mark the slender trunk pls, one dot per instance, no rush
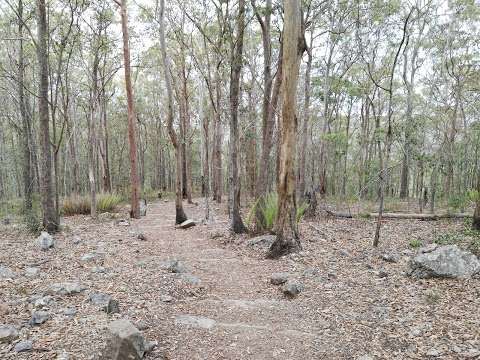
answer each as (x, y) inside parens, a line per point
(237, 53)
(132, 126)
(179, 213)
(50, 220)
(28, 182)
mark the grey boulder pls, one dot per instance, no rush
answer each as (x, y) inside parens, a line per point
(39, 317)
(45, 241)
(444, 262)
(292, 288)
(186, 224)
(279, 278)
(66, 288)
(105, 302)
(125, 342)
(8, 333)
(262, 241)
(23, 346)
(6, 273)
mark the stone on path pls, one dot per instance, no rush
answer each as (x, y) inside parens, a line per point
(31, 271)
(166, 298)
(190, 279)
(195, 321)
(125, 342)
(390, 257)
(6, 273)
(186, 224)
(174, 266)
(444, 262)
(45, 241)
(105, 302)
(43, 302)
(279, 278)
(262, 241)
(8, 333)
(66, 288)
(88, 257)
(292, 288)
(39, 317)
(23, 346)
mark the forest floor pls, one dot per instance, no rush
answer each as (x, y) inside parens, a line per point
(355, 305)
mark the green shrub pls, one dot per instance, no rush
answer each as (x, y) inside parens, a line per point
(415, 243)
(108, 202)
(269, 211)
(80, 205)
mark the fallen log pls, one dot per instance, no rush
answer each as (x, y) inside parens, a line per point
(406, 216)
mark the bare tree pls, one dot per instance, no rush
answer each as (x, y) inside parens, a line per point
(237, 54)
(132, 118)
(50, 219)
(179, 213)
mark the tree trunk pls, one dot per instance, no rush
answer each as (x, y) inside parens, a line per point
(50, 220)
(237, 225)
(180, 216)
(28, 173)
(287, 239)
(132, 126)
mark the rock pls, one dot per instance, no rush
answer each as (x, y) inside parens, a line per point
(88, 257)
(292, 288)
(67, 288)
(444, 262)
(195, 321)
(279, 278)
(105, 302)
(98, 270)
(174, 266)
(310, 272)
(125, 342)
(76, 240)
(190, 279)
(39, 317)
(7, 333)
(43, 302)
(143, 207)
(186, 224)
(216, 235)
(262, 241)
(150, 345)
(31, 271)
(6, 273)
(70, 311)
(45, 241)
(390, 258)
(141, 236)
(23, 346)
(112, 307)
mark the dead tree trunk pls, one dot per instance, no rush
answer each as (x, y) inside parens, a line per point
(132, 125)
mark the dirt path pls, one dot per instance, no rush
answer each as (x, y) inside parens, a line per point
(239, 315)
